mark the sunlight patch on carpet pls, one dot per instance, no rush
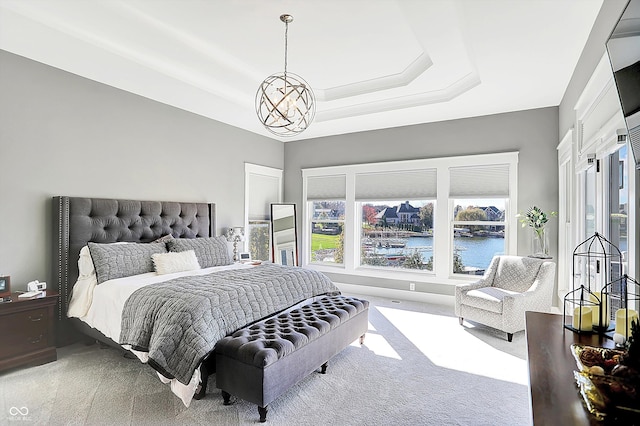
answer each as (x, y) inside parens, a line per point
(448, 345)
(377, 344)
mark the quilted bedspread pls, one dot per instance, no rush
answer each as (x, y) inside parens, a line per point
(178, 322)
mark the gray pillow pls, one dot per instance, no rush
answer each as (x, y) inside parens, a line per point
(210, 252)
(123, 260)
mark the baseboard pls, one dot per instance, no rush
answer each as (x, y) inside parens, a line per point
(413, 296)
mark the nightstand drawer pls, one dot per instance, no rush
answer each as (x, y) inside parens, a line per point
(26, 331)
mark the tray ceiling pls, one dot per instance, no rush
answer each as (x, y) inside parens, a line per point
(372, 64)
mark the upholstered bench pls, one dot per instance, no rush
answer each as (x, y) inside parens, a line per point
(260, 362)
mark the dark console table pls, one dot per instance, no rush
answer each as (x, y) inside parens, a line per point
(554, 395)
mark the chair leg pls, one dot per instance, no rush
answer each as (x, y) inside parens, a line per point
(460, 319)
(509, 336)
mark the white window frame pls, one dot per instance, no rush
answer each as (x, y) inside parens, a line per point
(442, 215)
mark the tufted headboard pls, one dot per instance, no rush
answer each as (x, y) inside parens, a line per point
(78, 220)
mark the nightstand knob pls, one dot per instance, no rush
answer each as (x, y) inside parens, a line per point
(38, 318)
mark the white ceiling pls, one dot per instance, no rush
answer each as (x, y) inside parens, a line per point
(372, 64)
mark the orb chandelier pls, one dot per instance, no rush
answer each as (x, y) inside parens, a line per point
(285, 103)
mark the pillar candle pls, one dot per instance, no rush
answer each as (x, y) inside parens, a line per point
(596, 310)
(583, 321)
(624, 317)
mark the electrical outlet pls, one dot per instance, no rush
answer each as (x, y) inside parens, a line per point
(412, 286)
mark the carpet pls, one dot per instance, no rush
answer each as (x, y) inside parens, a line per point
(418, 366)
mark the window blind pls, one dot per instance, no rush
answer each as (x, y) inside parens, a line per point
(264, 190)
(479, 181)
(402, 185)
(326, 187)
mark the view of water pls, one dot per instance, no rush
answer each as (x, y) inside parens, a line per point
(475, 252)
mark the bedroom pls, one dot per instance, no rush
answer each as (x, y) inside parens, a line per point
(62, 134)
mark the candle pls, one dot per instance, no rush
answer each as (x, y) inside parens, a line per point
(624, 317)
(583, 318)
(597, 298)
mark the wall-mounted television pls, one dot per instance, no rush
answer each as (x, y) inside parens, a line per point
(623, 48)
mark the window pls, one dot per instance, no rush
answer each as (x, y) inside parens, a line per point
(393, 235)
(263, 186)
(590, 202)
(479, 195)
(385, 219)
(619, 205)
(326, 206)
(397, 234)
(478, 234)
(327, 232)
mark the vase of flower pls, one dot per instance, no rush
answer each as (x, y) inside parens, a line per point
(537, 219)
(540, 243)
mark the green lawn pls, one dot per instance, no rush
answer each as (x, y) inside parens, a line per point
(325, 242)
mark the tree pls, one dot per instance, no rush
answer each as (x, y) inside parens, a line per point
(259, 241)
(458, 266)
(426, 215)
(338, 256)
(413, 261)
(471, 214)
(369, 214)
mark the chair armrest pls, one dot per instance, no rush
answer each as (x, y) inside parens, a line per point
(461, 289)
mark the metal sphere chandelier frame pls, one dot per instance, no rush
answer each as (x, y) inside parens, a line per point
(285, 103)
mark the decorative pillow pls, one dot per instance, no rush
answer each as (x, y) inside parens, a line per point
(210, 252)
(123, 260)
(168, 263)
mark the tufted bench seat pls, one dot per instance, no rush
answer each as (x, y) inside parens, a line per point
(260, 362)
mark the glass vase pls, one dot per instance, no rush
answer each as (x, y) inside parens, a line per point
(540, 243)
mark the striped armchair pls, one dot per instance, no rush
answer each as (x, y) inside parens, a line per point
(510, 286)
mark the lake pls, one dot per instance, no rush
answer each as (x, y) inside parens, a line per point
(474, 251)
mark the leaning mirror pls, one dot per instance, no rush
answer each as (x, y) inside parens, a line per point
(283, 234)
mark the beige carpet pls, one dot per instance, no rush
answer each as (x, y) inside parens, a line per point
(417, 367)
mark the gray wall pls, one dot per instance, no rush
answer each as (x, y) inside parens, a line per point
(594, 49)
(61, 134)
(533, 133)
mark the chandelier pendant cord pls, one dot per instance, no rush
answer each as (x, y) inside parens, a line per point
(286, 43)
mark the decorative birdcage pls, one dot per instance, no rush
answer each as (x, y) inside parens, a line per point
(596, 262)
(620, 301)
(579, 308)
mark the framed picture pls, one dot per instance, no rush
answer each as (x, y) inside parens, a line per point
(5, 286)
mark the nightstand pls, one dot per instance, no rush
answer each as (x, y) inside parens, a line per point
(27, 330)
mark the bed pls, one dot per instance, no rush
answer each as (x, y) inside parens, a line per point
(170, 318)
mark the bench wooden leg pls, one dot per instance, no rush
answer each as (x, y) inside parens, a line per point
(362, 339)
(323, 368)
(263, 413)
(226, 396)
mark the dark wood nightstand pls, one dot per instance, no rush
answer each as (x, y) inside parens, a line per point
(27, 330)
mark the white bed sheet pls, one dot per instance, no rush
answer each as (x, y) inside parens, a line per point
(106, 302)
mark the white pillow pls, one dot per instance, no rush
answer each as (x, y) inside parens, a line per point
(171, 262)
(85, 263)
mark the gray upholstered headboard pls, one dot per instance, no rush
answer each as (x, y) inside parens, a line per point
(78, 220)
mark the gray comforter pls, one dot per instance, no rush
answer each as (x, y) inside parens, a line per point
(178, 322)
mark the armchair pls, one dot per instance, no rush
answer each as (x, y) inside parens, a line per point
(510, 286)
